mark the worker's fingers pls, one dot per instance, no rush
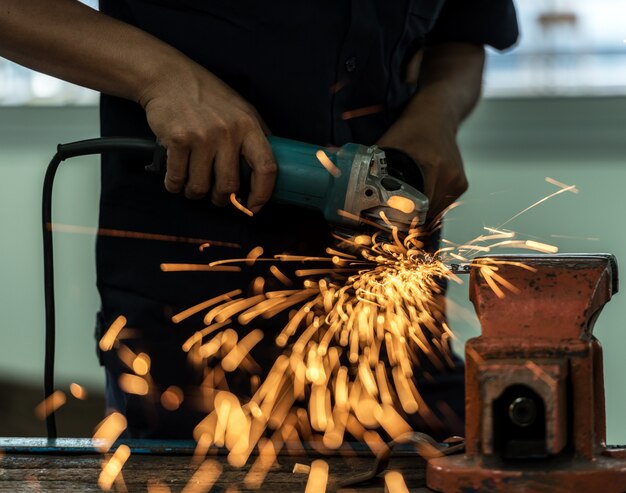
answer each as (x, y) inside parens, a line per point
(176, 174)
(226, 175)
(200, 171)
(258, 153)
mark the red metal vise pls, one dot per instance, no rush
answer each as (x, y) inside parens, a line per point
(535, 417)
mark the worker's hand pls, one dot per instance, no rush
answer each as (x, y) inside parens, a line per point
(205, 127)
(203, 123)
(432, 145)
(449, 78)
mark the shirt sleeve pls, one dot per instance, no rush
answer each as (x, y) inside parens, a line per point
(488, 22)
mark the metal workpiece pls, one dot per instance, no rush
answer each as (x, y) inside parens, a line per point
(535, 415)
(370, 189)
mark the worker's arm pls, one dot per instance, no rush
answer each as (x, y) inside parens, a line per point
(449, 79)
(203, 123)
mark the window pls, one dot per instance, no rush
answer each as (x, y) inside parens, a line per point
(21, 86)
(567, 47)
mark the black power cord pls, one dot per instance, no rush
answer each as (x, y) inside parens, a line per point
(66, 151)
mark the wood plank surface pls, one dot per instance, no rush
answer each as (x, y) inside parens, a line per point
(79, 473)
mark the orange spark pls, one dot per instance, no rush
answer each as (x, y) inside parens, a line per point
(118, 233)
(133, 384)
(367, 110)
(363, 240)
(318, 477)
(394, 482)
(476, 248)
(141, 364)
(253, 254)
(566, 237)
(487, 276)
(332, 251)
(367, 377)
(199, 268)
(280, 276)
(212, 314)
(172, 398)
(327, 163)
(315, 272)
(374, 441)
(301, 468)
(391, 421)
(364, 407)
(126, 355)
(204, 478)
(108, 430)
(204, 305)
(205, 440)
(383, 384)
(113, 467)
(385, 219)
(408, 402)
(505, 234)
(542, 247)
(108, 339)
(261, 466)
(238, 306)
(78, 391)
(50, 404)
(239, 205)
(234, 358)
(571, 188)
(540, 201)
(540, 372)
(473, 354)
(258, 285)
(300, 258)
(157, 487)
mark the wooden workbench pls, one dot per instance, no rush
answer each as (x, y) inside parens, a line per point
(28, 468)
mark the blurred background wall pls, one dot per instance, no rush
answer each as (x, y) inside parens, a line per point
(554, 107)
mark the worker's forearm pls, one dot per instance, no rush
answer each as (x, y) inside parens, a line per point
(68, 40)
(450, 82)
(203, 123)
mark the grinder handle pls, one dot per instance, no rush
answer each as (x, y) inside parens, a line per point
(158, 166)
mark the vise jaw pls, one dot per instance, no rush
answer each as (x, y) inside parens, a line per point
(535, 417)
